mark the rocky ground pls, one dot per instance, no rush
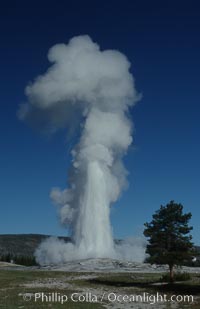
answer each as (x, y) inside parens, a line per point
(103, 278)
(111, 265)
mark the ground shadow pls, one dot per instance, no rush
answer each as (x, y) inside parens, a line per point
(176, 287)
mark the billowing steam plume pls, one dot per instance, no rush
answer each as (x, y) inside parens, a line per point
(95, 86)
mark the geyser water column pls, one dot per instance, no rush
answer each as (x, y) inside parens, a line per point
(97, 162)
(93, 231)
(96, 86)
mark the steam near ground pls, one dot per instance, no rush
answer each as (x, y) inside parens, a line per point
(56, 251)
(84, 82)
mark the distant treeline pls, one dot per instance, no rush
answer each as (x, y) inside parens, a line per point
(19, 259)
(21, 246)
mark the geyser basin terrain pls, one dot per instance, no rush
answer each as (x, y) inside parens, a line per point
(97, 87)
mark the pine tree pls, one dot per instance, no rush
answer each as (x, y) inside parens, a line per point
(169, 242)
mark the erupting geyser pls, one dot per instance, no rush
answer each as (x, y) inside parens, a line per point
(97, 87)
(93, 230)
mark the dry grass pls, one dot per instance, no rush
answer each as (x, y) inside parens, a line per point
(15, 283)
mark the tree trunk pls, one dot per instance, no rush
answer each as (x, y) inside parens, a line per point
(171, 273)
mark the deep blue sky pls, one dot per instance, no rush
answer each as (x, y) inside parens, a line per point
(162, 41)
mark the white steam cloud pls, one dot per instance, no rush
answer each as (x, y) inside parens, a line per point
(96, 85)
